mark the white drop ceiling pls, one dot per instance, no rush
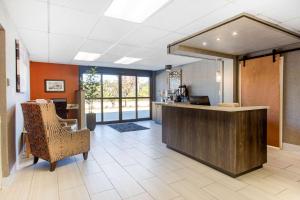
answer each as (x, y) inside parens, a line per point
(57, 34)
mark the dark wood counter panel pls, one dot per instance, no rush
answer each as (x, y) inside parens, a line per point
(231, 142)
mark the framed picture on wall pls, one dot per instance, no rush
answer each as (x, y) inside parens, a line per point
(22, 67)
(55, 86)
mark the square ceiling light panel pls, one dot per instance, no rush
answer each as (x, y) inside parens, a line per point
(134, 10)
(127, 60)
(86, 56)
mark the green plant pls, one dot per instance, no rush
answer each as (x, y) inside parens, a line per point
(91, 85)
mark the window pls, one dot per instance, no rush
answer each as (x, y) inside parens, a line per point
(120, 97)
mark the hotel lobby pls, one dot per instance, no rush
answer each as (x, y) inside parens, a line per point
(149, 100)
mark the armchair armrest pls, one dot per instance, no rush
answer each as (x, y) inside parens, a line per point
(68, 121)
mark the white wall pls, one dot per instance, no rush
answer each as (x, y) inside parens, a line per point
(14, 118)
(228, 80)
(200, 77)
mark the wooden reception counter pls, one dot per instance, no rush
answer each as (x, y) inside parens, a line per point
(232, 140)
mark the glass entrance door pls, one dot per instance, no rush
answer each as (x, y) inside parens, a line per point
(111, 98)
(128, 97)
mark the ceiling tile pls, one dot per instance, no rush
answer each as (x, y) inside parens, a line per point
(71, 22)
(91, 6)
(279, 10)
(111, 30)
(163, 42)
(64, 48)
(28, 13)
(96, 46)
(39, 58)
(180, 13)
(35, 41)
(212, 19)
(143, 36)
(294, 24)
(122, 50)
(142, 53)
(109, 58)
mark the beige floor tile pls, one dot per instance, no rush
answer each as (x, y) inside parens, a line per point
(77, 193)
(169, 163)
(138, 172)
(190, 192)
(103, 158)
(124, 160)
(278, 163)
(122, 181)
(290, 194)
(221, 192)
(88, 167)
(18, 190)
(44, 186)
(107, 195)
(227, 181)
(294, 169)
(69, 178)
(96, 183)
(164, 174)
(256, 194)
(267, 185)
(199, 180)
(158, 189)
(144, 196)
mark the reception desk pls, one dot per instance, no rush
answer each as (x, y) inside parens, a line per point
(232, 140)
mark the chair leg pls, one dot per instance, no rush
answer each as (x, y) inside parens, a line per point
(85, 155)
(52, 166)
(35, 159)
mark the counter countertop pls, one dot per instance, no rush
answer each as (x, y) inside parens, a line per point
(216, 108)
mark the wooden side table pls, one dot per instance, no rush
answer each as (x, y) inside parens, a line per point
(26, 143)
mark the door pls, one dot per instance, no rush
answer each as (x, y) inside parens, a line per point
(128, 97)
(260, 85)
(111, 98)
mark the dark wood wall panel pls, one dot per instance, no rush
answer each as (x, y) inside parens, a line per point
(260, 86)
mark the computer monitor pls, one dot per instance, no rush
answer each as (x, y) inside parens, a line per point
(200, 100)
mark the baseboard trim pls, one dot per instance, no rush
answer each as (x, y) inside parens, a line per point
(272, 147)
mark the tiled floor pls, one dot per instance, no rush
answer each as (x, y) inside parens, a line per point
(137, 166)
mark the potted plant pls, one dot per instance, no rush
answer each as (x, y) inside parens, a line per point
(91, 85)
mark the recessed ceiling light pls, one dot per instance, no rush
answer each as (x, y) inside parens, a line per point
(218, 39)
(86, 56)
(204, 43)
(234, 33)
(134, 10)
(127, 60)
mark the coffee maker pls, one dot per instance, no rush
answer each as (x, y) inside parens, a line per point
(182, 94)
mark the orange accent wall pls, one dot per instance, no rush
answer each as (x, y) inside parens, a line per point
(41, 71)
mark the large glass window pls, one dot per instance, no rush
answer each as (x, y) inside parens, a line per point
(128, 86)
(119, 97)
(143, 87)
(110, 86)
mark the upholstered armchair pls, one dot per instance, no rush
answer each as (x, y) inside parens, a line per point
(47, 137)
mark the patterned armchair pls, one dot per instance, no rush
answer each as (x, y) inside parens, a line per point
(48, 139)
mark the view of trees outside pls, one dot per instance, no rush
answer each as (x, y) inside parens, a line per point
(143, 87)
(111, 97)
